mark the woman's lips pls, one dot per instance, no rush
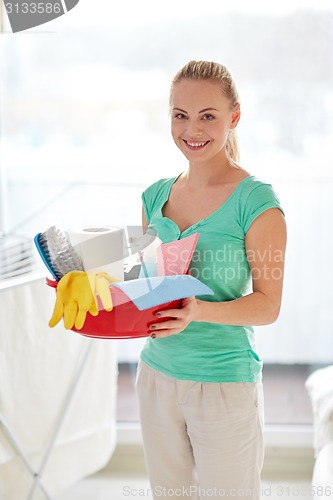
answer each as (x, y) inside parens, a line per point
(195, 145)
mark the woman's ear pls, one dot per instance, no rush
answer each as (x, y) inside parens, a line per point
(235, 115)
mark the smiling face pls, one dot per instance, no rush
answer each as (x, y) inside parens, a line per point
(201, 117)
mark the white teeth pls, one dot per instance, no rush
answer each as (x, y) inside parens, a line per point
(195, 144)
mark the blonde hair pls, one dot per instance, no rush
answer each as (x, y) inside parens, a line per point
(215, 72)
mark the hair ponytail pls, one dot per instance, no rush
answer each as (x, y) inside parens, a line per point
(231, 146)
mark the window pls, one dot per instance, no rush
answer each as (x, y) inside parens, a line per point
(84, 113)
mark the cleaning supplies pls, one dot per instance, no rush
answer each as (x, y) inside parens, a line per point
(101, 248)
(57, 252)
(126, 309)
(174, 257)
(77, 294)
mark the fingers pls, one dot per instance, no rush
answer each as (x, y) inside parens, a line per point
(77, 312)
(171, 315)
(108, 278)
(166, 325)
(176, 320)
(57, 313)
(184, 311)
(167, 328)
(76, 296)
(104, 292)
(63, 283)
(102, 288)
(159, 334)
(70, 313)
(93, 310)
(80, 319)
(168, 313)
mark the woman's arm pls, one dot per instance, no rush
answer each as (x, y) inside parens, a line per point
(265, 244)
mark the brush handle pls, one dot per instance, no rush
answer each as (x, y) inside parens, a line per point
(44, 255)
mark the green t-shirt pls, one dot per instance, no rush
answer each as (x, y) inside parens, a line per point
(211, 352)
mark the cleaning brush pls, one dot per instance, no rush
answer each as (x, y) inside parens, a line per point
(57, 253)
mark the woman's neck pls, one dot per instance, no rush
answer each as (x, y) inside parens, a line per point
(201, 175)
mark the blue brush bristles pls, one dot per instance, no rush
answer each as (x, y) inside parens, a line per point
(57, 253)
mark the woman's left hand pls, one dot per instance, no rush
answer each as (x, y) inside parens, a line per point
(177, 321)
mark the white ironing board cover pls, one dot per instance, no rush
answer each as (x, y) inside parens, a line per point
(37, 366)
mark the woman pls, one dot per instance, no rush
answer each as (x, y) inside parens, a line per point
(199, 376)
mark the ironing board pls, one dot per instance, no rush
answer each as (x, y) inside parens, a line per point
(57, 397)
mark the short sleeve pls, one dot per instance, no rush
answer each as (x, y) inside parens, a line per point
(155, 196)
(150, 198)
(261, 198)
(145, 206)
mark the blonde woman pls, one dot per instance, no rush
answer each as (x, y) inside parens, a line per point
(199, 376)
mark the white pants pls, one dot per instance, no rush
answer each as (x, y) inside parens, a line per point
(201, 440)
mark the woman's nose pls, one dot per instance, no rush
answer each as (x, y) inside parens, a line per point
(194, 128)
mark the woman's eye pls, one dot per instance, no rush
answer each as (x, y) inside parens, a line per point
(180, 116)
(208, 117)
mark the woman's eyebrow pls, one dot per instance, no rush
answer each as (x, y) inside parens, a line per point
(208, 109)
(179, 109)
(202, 111)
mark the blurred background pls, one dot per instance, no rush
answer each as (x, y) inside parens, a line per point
(85, 128)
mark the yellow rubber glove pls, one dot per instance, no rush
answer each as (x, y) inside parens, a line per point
(101, 287)
(76, 295)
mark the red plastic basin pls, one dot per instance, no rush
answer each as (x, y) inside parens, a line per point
(125, 321)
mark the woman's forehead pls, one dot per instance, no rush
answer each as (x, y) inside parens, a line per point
(197, 93)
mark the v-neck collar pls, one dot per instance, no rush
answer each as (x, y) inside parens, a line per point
(206, 219)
